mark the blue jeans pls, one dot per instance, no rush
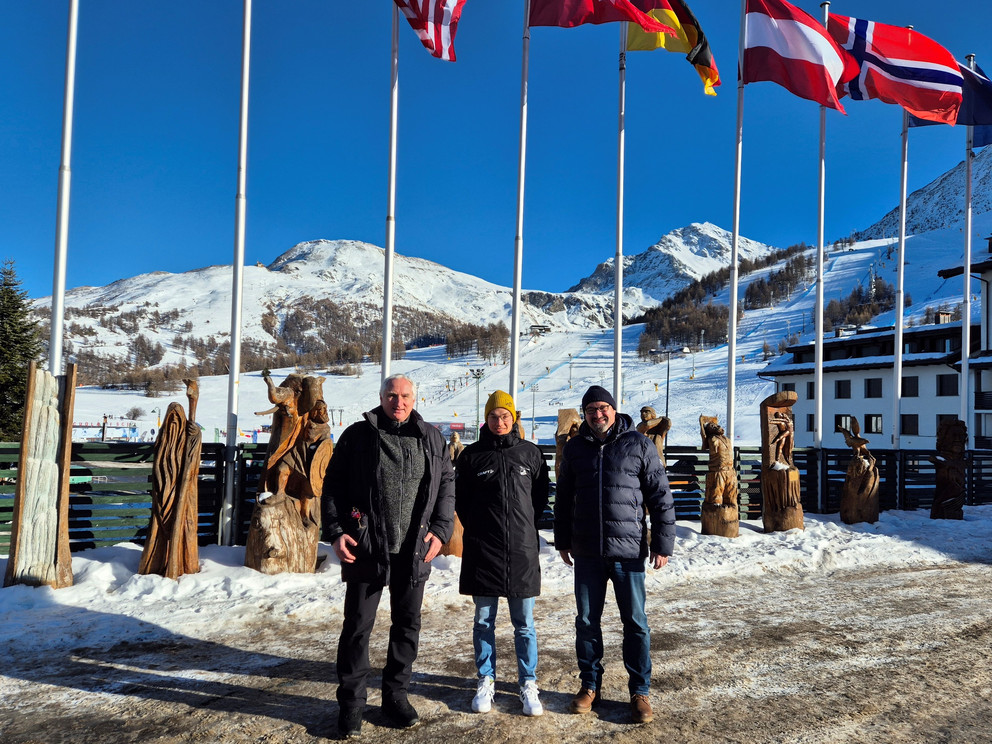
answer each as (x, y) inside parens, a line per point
(524, 636)
(591, 576)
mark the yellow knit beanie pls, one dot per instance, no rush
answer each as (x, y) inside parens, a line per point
(499, 399)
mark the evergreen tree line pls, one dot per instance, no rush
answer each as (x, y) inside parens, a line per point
(780, 284)
(20, 344)
(491, 342)
(863, 304)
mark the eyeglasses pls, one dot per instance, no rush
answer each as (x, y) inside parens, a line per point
(503, 418)
(594, 410)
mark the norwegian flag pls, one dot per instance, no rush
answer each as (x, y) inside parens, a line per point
(786, 45)
(901, 66)
(435, 22)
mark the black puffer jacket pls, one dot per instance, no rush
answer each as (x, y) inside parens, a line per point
(603, 489)
(353, 503)
(501, 489)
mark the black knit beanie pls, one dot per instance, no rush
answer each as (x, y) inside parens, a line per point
(597, 394)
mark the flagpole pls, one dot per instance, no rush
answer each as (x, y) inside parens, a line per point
(518, 241)
(966, 304)
(386, 355)
(738, 153)
(226, 536)
(900, 285)
(618, 266)
(818, 305)
(62, 205)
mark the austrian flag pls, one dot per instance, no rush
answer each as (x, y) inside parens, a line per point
(786, 45)
(899, 65)
(435, 22)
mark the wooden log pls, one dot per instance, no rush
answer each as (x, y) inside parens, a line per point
(781, 507)
(721, 520)
(67, 403)
(279, 539)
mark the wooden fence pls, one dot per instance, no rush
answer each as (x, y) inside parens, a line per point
(111, 502)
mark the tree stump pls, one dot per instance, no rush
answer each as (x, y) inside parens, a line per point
(280, 539)
(39, 537)
(720, 513)
(781, 507)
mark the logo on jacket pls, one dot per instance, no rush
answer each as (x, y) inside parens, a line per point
(487, 472)
(521, 470)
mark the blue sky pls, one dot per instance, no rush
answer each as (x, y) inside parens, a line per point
(156, 129)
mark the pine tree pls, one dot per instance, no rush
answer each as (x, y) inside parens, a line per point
(19, 345)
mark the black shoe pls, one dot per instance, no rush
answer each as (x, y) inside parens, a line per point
(399, 711)
(350, 722)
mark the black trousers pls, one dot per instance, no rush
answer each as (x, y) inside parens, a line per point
(361, 600)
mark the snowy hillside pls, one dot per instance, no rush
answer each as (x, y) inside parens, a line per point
(672, 263)
(940, 204)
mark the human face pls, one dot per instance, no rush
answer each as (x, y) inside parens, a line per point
(397, 400)
(500, 421)
(600, 417)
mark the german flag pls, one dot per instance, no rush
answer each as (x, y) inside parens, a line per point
(689, 38)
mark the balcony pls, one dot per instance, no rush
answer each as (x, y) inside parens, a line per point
(983, 401)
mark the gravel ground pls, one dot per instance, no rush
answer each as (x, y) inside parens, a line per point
(874, 655)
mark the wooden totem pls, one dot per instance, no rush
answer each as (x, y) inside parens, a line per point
(39, 530)
(781, 508)
(948, 500)
(719, 514)
(171, 547)
(285, 523)
(859, 498)
(569, 422)
(655, 428)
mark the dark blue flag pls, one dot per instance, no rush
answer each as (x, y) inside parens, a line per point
(976, 106)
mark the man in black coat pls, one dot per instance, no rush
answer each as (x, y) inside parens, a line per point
(500, 491)
(610, 476)
(388, 508)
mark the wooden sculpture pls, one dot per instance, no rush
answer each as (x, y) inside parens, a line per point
(39, 529)
(781, 506)
(171, 547)
(285, 523)
(454, 544)
(720, 514)
(569, 422)
(655, 428)
(859, 498)
(455, 446)
(948, 500)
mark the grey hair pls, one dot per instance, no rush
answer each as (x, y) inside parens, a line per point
(391, 378)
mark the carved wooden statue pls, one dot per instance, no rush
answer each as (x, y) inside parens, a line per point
(720, 514)
(948, 500)
(569, 421)
(39, 528)
(859, 499)
(781, 508)
(285, 523)
(171, 547)
(655, 428)
(455, 446)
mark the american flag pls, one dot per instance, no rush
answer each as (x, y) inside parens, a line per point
(902, 66)
(435, 22)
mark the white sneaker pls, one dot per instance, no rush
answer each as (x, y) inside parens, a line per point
(528, 696)
(484, 694)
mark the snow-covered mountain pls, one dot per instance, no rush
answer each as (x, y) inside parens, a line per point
(672, 263)
(940, 203)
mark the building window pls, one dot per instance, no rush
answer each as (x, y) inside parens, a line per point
(873, 423)
(810, 391)
(810, 422)
(947, 384)
(873, 387)
(842, 421)
(942, 417)
(911, 387)
(788, 387)
(842, 389)
(909, 424)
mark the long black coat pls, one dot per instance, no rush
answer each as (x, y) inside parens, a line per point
(353, 502)
(500, 490)
(603, 489)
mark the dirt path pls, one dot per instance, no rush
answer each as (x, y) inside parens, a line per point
(850, 656)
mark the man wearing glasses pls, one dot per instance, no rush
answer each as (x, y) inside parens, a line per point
(610, 476)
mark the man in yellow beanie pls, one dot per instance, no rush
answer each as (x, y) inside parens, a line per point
(500, 491)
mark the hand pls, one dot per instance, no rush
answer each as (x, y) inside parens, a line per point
(341, 548)
(566, 555)
(658, 560)
(435, 547)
